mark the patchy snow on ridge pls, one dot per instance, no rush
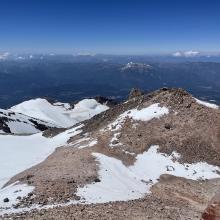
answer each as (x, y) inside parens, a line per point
(144, 114)
(121, 183)
(207, 104)
(19, 153)
(60, 114)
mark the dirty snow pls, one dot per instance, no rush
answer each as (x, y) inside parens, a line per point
(91, 143)
(60, 114)
(121, 183)
(115, 141)
(12, 192)
(84, 142)
(207, 104)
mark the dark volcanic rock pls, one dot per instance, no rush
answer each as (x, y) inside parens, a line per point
(135, 92)
(6, 200)
(106, 101)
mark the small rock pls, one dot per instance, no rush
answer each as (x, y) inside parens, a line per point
(135, 93)
(168, 126)
(30, 194)
(6, 200)
(115, 142)
(97, 180)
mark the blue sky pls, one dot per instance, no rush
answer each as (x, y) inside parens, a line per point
(109, 26)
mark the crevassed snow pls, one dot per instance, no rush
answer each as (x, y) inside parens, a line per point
(144, 114)
(59, 113)
(121, 183)
(19, 153)
(207, 104)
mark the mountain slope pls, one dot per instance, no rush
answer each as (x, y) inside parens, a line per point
(60, 114)
(161, 149)
(17, 123)
(39, 114)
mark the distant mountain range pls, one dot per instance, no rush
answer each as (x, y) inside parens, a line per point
(177, 56)
(72, 78)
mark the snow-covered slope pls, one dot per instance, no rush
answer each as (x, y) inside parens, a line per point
(17, 123)
(21, 152)
(60, 114)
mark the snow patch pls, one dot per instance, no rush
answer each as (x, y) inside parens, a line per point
(90, 144)
(144, 114)
(114, 141)
(121, 183)
(207, 104)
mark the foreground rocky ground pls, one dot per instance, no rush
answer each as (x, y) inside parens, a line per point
(190, 129)
(172, 198)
